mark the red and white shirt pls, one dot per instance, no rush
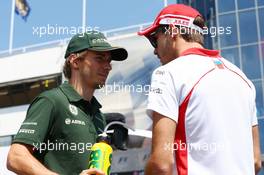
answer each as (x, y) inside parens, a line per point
(213, 104)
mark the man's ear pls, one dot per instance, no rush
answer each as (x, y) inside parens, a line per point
(73, 59)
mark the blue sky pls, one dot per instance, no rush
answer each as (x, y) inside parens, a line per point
(103, 14)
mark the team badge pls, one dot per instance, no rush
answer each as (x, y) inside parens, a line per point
(73, 109)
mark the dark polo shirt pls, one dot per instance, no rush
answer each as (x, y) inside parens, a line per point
(62, 127)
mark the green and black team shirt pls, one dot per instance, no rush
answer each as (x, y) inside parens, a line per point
(62, 127)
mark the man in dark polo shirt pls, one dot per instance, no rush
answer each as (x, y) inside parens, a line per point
(62, 124)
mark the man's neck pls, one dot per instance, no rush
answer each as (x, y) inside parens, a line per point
(83, 90)
(182, 45)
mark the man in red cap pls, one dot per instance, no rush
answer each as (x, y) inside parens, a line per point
(202, 106)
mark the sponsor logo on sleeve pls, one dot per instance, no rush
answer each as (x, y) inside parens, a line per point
(156, 90)
(27, 131)
(159, 72)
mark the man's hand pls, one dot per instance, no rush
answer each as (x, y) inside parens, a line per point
(92, 171)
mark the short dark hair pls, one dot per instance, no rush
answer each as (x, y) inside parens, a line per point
(67, 69)
(193, 35)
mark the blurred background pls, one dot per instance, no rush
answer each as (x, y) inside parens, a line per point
(34, 36)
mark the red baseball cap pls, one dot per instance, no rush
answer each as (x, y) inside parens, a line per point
(175, 14)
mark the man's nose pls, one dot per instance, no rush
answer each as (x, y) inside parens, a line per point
(108, 66)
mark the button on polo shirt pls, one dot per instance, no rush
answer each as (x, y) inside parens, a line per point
(61, 126)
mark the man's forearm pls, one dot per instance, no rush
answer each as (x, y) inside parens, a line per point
(256, 146)
(25, 166)
(21, 161)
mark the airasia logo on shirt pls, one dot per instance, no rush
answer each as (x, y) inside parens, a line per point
(69, 121)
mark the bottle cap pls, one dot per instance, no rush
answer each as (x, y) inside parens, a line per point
(103, 138)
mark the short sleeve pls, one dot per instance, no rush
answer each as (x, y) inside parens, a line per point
(35, 127)
(162, 95)
(254, 119)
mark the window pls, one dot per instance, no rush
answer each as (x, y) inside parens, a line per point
(226, 6)
(228, 22)
(260, 2)
(259, 97)
(248, 27)
(242, 4)
(23, 92)
(262, 48)
(251, 61)
(261, 134)
(261, 23)
(231, 55)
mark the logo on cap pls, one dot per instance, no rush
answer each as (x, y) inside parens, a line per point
(99, 40)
